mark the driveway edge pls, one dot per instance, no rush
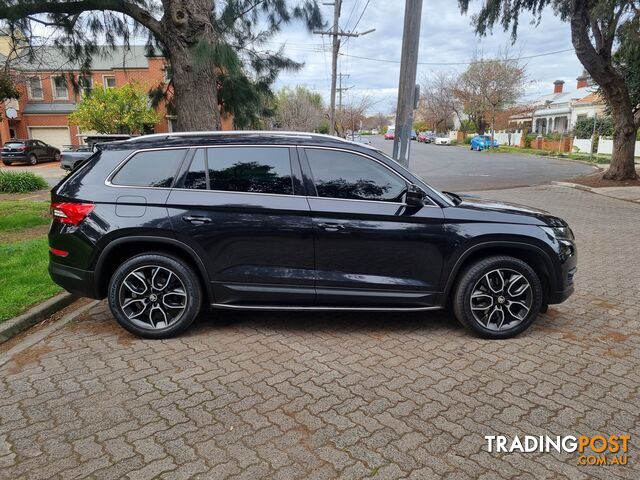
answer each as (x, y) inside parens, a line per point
(585, 188)
(40, 335)
(15, 325)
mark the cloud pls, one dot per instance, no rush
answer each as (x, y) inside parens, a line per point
(447, 36)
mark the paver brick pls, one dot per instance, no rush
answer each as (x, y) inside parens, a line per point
(341, 395)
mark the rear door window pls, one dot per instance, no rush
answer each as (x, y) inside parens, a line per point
(241, 169)
(154, 168)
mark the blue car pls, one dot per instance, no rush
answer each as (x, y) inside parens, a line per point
(481, 142)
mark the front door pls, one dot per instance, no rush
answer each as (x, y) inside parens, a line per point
(371, 249)
(242, 209)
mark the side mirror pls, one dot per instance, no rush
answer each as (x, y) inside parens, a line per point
(415, 196)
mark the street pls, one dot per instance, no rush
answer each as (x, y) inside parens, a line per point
(341, 395)
(446, 167)
(458, 169)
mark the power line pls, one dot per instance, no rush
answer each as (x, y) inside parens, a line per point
(386, 60)
(359, 18)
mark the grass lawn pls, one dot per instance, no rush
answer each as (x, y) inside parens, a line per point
(596, 158)
(24, 280)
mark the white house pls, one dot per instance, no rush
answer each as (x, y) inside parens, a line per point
(559, 111)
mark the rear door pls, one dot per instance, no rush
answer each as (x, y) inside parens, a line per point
(372, 250)
(243, 210)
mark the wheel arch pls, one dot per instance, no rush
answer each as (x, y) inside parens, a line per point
(533, 255)
(122, 249)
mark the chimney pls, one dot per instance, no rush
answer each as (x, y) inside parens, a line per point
(583, 80)
(557, 86)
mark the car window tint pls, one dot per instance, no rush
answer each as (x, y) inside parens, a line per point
(338, 174)
(196, 177)
(250, 169)
(155, 168)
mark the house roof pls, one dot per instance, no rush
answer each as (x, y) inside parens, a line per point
(51, 58)
(592, 97)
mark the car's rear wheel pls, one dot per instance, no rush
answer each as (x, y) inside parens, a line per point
(498, 297)
(56, 156)
(155, 295)
(33, 159)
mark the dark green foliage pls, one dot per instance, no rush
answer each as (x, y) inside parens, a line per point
(21, 182)
(7, 88)
(584, 127)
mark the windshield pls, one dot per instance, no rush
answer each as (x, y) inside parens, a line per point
(437, 192)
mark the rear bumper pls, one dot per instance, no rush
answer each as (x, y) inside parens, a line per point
(74, 280)
(14, 158)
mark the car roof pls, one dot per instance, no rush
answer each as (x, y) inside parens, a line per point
(241, 137)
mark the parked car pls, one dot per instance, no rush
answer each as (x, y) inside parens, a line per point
(75, 155)
(414, 135)
(28, 151)
(442, 139)
(164, 225)
(482, 142)
(375, 131)
(426, 137)
(390, 134)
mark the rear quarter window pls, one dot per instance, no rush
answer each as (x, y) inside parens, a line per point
(154, 168)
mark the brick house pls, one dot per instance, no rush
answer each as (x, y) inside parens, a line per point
(48, 96)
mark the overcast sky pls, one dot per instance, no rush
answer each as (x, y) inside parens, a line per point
(446, 37)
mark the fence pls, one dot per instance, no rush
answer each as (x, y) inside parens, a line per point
(605, 145)
(582, 145)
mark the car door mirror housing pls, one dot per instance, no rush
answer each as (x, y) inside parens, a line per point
(415, 196)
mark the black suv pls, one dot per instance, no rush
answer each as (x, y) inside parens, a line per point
(162, 224)
(29, 151)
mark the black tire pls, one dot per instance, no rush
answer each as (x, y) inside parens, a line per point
(32, 159)
(56, 157)
(186, 281)
(474, 276)
(7, 163)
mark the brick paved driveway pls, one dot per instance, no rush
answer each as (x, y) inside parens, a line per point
(266, 395)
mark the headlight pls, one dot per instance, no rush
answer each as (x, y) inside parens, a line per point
(559, 232)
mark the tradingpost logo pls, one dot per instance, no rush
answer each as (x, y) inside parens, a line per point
(591, 449)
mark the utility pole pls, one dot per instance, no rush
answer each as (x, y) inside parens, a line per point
(407, 83)
(335, 50)
(340, 89)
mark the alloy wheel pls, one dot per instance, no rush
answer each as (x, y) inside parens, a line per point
(152, 297)
(501, 299)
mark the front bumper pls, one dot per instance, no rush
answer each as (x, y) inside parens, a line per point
(74, 280)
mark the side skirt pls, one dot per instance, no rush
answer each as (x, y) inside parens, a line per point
(324, 309)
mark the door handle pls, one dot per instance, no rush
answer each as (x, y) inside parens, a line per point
(331, 227)
(197, 220)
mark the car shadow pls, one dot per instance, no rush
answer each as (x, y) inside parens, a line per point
(336, 322)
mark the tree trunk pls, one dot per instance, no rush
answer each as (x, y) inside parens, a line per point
(624, 142)
(185, 24)
(613, 87)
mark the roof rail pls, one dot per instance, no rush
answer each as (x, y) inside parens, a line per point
(266, 133)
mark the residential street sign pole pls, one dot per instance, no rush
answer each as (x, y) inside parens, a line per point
(406, 85)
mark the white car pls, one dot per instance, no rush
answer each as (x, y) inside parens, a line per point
(442, 140)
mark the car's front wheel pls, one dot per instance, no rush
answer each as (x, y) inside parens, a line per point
(7, 163)
(155, 295)
(498, 297)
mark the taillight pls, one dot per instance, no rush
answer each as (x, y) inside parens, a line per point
(71, 213)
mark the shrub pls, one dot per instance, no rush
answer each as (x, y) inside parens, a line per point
(467, 140)
(21, 182)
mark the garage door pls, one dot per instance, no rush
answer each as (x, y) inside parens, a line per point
(56, 136)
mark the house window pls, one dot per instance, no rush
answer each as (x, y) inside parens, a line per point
(86, 84)
(582, 116)
(34, 86)
(60, 90)
(109, 82)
